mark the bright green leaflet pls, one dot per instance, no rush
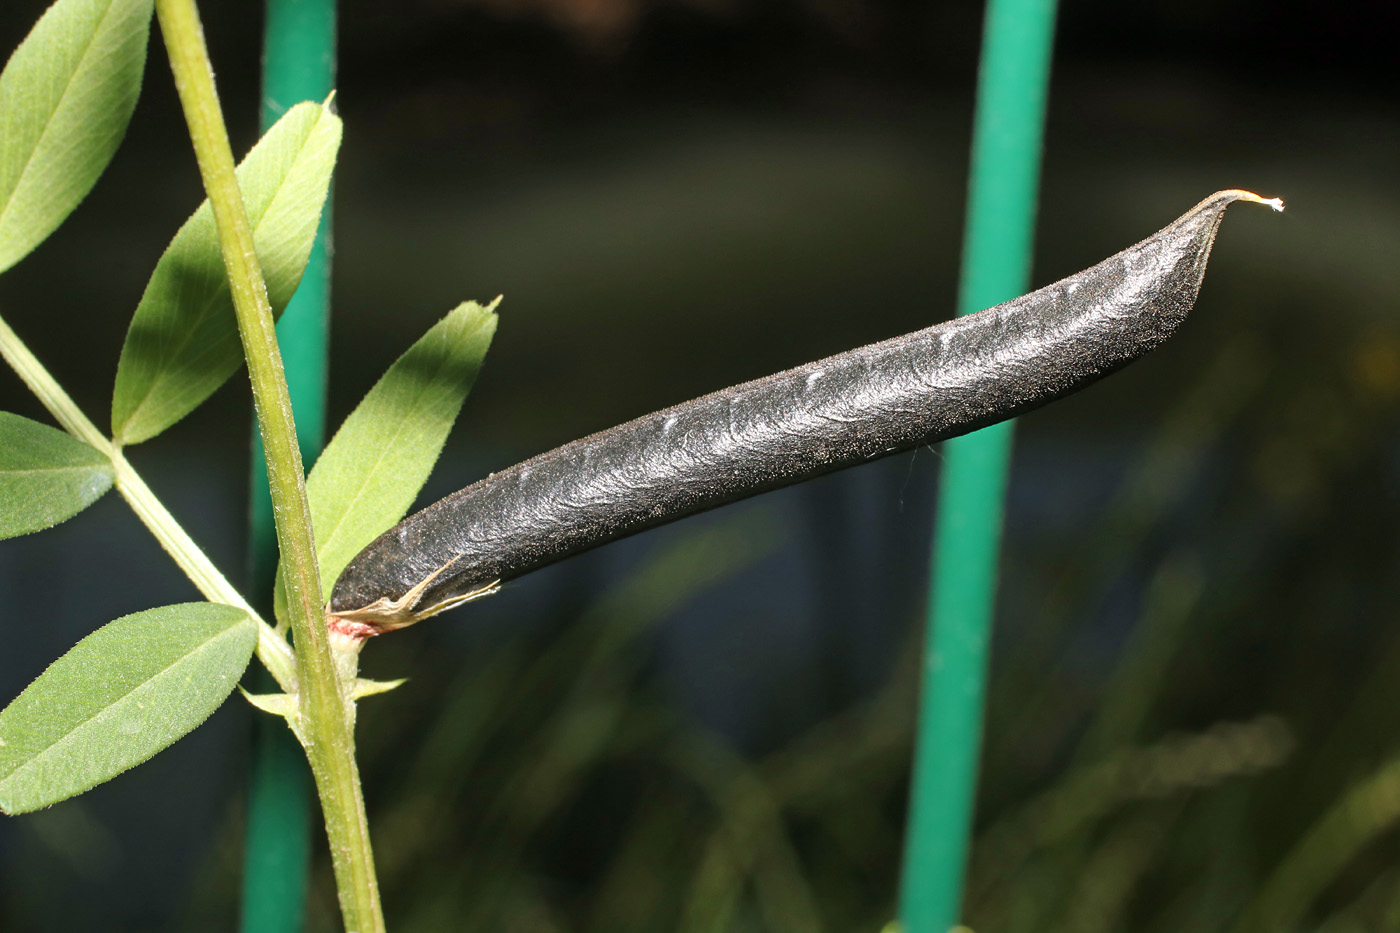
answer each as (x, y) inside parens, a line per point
(46, 476)
(119, 696)
(374, 467)
(183, 342)
(66, 96)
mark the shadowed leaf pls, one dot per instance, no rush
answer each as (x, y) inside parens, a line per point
(119, 696)
(183, 342)
(66, 96)
(46, 476)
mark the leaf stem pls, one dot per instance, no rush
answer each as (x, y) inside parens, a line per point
(48, 391)
(321, 722)
(273, 650)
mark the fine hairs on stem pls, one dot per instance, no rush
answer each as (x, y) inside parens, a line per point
(323, 719)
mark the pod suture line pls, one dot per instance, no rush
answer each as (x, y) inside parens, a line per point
(877, 400)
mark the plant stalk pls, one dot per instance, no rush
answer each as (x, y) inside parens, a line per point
(299, 38)
(273, 650)
(321, 721)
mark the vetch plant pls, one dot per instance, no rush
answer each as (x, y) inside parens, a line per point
(141, 682)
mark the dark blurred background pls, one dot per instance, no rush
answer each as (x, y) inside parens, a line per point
(1195, 700)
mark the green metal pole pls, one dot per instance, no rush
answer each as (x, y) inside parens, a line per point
(1006, 144)
(298, 64)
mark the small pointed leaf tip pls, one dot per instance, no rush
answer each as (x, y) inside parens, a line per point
(368, 688)
(278, 704)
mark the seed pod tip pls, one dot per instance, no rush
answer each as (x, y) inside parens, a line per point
(1242, 195)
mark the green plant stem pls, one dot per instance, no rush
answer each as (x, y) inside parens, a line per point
(321, 721)
(273, 650)
(1013, 82)
(298, 64)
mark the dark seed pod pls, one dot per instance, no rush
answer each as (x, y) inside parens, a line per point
(937, 383)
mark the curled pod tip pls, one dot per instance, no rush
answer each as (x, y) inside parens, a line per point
(870, 402)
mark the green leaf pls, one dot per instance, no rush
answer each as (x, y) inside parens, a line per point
(46, 476)
(364, 687)
(119, 696)
(278, 704)
(371, 471)
(65, 99)
(183, 342)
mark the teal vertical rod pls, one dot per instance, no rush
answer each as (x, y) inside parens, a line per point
(298, 64)
(1007, 138)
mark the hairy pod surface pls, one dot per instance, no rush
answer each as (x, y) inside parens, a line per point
(871, 402)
